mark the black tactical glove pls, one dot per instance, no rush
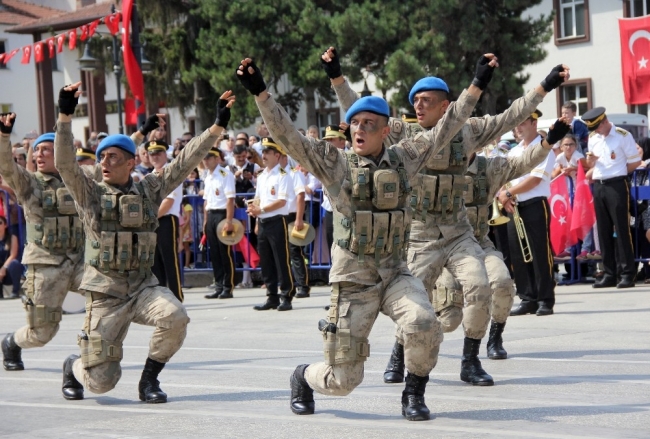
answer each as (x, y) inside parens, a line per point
(553, 80)
(149, 125)
(332, 68)
(483, 74)
(223, 114)
(67, 101)
(557, 132)
(253, 82)
(6, 129)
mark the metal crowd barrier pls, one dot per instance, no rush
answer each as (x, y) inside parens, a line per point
(9, 209)
(317, 253)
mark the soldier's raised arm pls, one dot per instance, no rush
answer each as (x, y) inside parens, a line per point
(511, 167)
(161, 185)
(481, 130)
(319, 157)
(418, 150)
(76, 181)
(17, 177)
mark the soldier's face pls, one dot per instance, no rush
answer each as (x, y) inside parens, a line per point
(44, 157)
(116, 168)
(368, 132)
(429, 108)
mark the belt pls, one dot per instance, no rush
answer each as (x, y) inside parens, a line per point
(216, 210)
(530, 201)
(270, 219)
(611, 180)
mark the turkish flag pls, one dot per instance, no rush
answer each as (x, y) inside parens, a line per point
(92, 28)
(84, 32)
(2, 58)
(560, 215)
(51, 46)
(584, 213)
(635, 58)
(11, 55)
(72, 38)
(130, 116)
(38, 51)
(27, 54)
(131, 67)
(60, 41)
(112, 22)
(248, 251)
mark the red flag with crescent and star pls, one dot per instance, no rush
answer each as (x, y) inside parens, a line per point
(38, 51)
(60, 41)
(584, 213)
(27, 54)
(131, 67)
(10, 55)
(51, 45)
(560, 229)
(635, 58)
(112, 22)
(72, 39)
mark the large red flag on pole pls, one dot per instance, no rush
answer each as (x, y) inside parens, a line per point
(635, 56)
(560, 215)
(131, 67)
(584, 214)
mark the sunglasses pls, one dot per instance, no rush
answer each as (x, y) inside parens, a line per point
(250, 157)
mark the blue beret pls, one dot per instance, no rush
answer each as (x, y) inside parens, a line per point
(117, 140)
(47, 137)
(372, 104)
(428, 83)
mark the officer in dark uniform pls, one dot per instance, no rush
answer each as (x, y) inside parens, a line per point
(85, 156)
(612, 155)
(270, 207)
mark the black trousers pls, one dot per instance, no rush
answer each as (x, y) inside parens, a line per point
(329, 231)
(298, 264)
(221, 255)
(273, 248)
(534, 280)
(166, 265)
(612, 205)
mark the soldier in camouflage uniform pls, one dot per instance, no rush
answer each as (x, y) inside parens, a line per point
(120, 219)
(441, 235)
(496, 172)
(369, 192)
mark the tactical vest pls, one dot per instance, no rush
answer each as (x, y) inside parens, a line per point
(60, 230)
(476, 198)
(440, 187)
(380, 220)
(127, 240)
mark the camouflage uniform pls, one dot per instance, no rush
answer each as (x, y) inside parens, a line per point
(498, 171)
(54, 247)
(123, 290)
(369, 277)
(441, 236)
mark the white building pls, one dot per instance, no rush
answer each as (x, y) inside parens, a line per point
(586, 38)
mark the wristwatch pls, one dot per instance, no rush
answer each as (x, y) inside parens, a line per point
(508, 194)
(262, 210)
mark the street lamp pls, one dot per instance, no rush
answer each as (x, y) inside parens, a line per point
(87, 63)
(366, 91)
(146, 66)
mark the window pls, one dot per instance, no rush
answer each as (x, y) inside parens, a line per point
(571, 21)
(636, 8)
(3, 49)
(639, 109)
(55, 63)
(577, 91)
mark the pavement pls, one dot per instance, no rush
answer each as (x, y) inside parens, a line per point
(581, 373)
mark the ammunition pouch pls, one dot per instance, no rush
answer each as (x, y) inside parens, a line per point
(96, 351)
(341, 347)
(121, 251)
(478, 219)
(444, 298)
(41, 315)
(386, 190)
(131, 211)
(57, 234)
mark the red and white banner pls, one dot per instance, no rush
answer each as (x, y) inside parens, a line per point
(27, 54)
(131, 67)
(635, 56)
(560, 203)
(38, 51)
(51, 45)
(584, 213)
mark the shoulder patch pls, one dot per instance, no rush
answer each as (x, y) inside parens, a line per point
(222, 172)
(282, 171)
(395, 125)
(409, 147)
(474, 124)
(622, 132)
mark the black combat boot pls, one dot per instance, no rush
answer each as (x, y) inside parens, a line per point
(149, 386)
(394, 372)
(495, 342)
(302, 396)
(272, 302)
(470, 367)
(11, 358)
(413, 406)
(71, 388)
(285, 301)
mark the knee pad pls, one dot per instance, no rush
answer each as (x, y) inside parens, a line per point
(480, 294)
(104, 377)
(176, 318)
(450, 318)
(44, 333)
(503, 289)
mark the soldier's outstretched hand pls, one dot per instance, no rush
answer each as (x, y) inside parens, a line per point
(226, 101)
(154, 121)
(558, 75)
(558, 130)
(484, 70)
(69, 98)
(7, 121)
(250, 77)
(331, 64)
